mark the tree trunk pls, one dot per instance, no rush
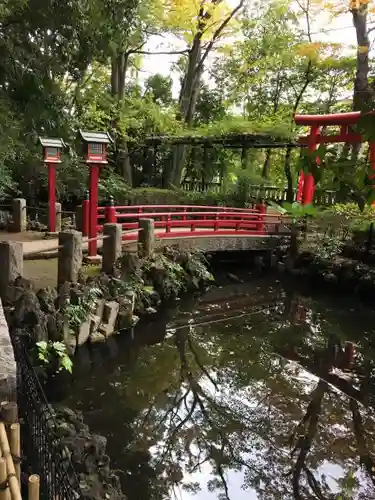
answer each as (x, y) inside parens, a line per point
(363, 94)
(191, 80)
(119, 65)
(187, 104)
(288, 175)
(114, 76)
(267, 164)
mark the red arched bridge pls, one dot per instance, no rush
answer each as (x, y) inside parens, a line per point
(207, 227)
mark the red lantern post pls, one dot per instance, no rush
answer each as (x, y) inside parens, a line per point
(96, 144)
(85, 214)
(52, 157)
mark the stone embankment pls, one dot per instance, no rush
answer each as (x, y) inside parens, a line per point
(87, 453)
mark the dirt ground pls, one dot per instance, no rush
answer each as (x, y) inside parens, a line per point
(42, 272)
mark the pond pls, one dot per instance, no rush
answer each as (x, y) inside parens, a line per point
(254, 391)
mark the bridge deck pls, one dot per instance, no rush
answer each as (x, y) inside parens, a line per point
(48, 246)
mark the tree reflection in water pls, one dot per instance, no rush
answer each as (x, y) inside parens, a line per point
(280, 395)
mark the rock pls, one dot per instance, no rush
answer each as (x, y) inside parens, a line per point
(124, 321)
(151, 310)
(273, 261)
(129, 264)
(234, 278)
(87, 453)
(281, 267)
(99, 444)
(54, 333)
(330, 278)
(29, 316)
(97, 337)
(23, 283)
(47, 297)
(127, 304)
(65, 429)
(12, 294)
(258, 262)
(289, 263)
(135, 320)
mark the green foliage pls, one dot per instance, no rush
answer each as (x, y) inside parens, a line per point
(65, 67)
(160, 89)
(352, 215)
(327, 246)
(298, 211)
(113, 185)
(79, 312)
(53, 354)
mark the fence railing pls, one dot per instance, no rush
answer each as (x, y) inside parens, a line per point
(41, 445)
(270, 193)
(201, 186)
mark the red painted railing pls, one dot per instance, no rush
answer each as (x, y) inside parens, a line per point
(182, 221)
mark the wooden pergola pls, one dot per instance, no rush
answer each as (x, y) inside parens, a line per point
(241, 141)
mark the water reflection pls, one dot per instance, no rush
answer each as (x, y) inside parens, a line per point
(266, 396)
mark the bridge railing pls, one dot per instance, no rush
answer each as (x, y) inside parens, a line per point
(182, 224)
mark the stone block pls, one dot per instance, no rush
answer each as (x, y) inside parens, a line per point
(84, 333)
(8, 369)
(19, 215)
(58, 217)
(99, 308)
(111, 310)
(11, 258)
(112, 244)
(79, 226)
(146, 237)
(70, 256)
(95, 323)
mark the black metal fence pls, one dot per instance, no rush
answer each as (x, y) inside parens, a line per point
(41, 446)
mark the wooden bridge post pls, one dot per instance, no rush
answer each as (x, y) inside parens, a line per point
(69, 257)
(146, 237)
(111, 246)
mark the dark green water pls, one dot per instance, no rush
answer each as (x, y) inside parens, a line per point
(261, 400)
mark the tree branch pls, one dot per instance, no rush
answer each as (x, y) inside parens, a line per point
(216, 35)
(149, 53)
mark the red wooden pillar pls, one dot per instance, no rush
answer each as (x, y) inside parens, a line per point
(110, 212)
(51, 197)
(262, 208)
(86, 214)
(301, 181)
(93, 209)
(309, 184)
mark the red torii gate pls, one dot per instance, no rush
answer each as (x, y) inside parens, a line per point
(306, 182)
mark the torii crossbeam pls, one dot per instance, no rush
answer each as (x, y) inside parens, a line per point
(306, 182)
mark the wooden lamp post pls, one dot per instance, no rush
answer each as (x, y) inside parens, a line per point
(95, 153)
(51, 156)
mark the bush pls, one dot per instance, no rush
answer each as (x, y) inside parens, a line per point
(122, 194)
(351, 214)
